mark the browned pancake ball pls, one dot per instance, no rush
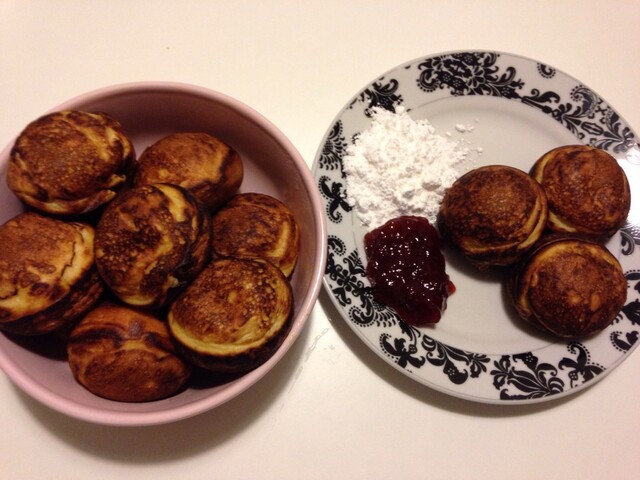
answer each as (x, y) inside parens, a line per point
(569, 286)
(587, 190)
(48, 278)
(123, 354)
(199, 162)
(256, 225)
(70, 162)
(234, 316)
(151, 241)
(493, 215)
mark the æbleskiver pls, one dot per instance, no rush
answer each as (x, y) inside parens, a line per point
(400, 166)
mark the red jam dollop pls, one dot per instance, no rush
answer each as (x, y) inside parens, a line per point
(406, 269)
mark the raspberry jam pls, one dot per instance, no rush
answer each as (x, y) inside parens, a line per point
(406, 269)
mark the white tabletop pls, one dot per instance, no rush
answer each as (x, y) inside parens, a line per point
(331, 408)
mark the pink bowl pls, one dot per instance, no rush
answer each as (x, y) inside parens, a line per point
(149, 111)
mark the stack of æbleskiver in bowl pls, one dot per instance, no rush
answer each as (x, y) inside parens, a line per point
(549, 227)
(145, 267)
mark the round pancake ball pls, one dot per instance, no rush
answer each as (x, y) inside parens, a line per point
(209, 168)
(234, 316)
(48, 278)
(70, 162)
(123, 354)
(568, 286)
(151, 241)
(493, 215)
(587, 190)
(256, 225)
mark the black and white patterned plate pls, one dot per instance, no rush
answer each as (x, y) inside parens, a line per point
(508, 110)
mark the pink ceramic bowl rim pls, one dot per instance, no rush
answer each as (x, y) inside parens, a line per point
(117, 418)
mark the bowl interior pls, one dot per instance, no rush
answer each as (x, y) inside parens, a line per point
(148, 112)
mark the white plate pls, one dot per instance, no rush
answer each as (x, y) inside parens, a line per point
(518, 109)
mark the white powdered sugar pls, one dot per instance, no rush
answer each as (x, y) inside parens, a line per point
(400, 167)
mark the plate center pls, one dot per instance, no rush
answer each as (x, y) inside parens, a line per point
(479, 316)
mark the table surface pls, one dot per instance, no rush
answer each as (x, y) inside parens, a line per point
(331, 408)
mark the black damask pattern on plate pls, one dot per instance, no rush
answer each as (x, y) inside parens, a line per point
(624, 342)
(581, 369)
(335, 147)
(380, 95)
(458, 365)
(335, 194)
(539, 379)
(346, 272)
(469, 73)
(412, 349)
(373, 313)
(346, 276)
(632, 309)
(535, 380)
(546, 71)
(630, 234)
(403, 349)
(585, 114)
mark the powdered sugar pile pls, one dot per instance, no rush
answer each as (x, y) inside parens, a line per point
(400, 167)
